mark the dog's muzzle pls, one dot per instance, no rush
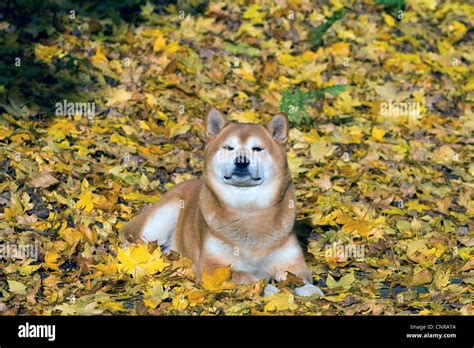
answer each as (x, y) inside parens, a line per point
(242, 174)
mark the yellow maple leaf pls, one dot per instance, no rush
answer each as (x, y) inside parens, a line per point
(280, 302)
(154, 266)
(100, 61)
(70, 235)
(415, 205)
(86, 197)
(361, 227)
(457, 30)
(245, 116)
(51, 259)
(137, 261)
(246, 74)
(219, 280)
(378, 134)
(196, 296)
(62, 128)
(172, 48)
(254, 14)
(341, 49)
(159, 43)
(86, 201)
(108, 270)
(99, 58)
(310, 72)
(180, 302)
(345, 103)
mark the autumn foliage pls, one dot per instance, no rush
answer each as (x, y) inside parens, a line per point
(105, 113)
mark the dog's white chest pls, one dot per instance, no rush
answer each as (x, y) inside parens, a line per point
(249, 260)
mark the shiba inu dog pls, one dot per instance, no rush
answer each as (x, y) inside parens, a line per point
(240, 213)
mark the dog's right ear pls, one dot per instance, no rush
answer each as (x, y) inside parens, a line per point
(215, 121)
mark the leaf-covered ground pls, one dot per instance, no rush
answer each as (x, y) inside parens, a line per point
(389, 191)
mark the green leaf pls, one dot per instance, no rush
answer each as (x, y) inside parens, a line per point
(316, 36)
(392, 7)
(333, 90)
(294, 102)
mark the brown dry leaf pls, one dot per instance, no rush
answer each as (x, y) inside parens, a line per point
(44, 180)
(424, 276)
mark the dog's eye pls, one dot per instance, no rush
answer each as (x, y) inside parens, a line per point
(228, 148)
(256, 148)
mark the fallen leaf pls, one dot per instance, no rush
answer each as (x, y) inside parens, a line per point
(280, 302)
(219, 280)
(44, 180)
(16, 287)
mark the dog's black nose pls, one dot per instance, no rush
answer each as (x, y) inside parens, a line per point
(241, 162)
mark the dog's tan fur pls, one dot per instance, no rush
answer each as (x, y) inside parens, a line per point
(217, 225)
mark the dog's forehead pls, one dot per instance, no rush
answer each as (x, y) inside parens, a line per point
(245, 134)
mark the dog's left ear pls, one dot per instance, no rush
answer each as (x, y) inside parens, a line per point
(278, 127)
(215, 121)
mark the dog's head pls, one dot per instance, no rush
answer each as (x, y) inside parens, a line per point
(245, 154)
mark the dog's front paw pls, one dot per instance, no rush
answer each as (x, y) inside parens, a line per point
(308, 290)
(270, 290)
